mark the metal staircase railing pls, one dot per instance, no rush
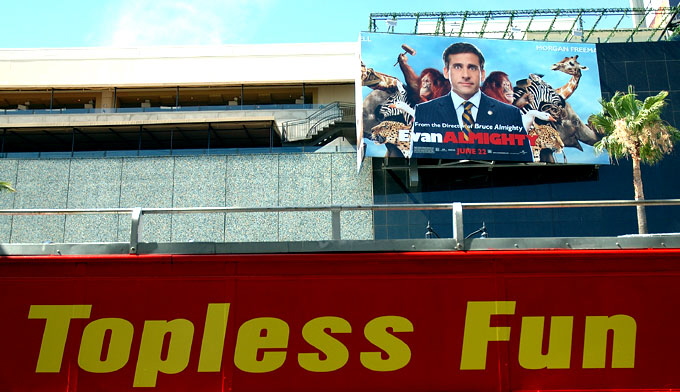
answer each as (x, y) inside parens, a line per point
(319, 121)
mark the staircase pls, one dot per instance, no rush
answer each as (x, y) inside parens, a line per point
(322, 126)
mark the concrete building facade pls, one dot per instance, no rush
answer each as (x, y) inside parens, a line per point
(142, 95)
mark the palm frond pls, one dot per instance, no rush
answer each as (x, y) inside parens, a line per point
(6, 186)
(633, 127)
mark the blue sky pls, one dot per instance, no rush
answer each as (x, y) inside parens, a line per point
(125, 23)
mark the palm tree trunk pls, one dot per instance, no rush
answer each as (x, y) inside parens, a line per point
(639, 195)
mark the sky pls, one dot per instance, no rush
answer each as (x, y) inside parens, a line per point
(134, 23)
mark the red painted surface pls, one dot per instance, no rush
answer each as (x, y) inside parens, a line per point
(431, 290)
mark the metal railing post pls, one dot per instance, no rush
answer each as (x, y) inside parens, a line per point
(458, 233)
(136, 215)
(335, 222)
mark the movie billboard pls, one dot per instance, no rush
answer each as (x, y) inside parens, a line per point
(494, 100)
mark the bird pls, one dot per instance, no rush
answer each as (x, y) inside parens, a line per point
(531, 115)
(404, 107)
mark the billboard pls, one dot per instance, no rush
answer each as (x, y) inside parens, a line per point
(418, 321)
(529, 101)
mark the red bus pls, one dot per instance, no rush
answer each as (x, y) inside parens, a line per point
(475, 320)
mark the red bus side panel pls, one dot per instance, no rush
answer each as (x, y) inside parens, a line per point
(440, 321)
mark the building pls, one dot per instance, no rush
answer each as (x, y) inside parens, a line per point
(171, 127)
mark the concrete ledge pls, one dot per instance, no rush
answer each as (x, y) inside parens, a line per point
(150, 118)
(412, 245)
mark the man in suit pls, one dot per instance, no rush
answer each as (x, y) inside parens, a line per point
(466, 123)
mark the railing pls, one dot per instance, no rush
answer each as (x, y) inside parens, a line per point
(157, 109)
(459, 239)
(175, 152)
(305, 129)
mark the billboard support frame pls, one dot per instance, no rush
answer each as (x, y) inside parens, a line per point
(526, 18)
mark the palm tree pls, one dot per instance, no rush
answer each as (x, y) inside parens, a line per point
(6, 186)
(634, 129)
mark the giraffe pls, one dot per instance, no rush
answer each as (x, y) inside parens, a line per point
(570, 66)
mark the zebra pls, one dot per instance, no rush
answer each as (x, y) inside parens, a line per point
(534, 95)
(392, 108)
(543, 97)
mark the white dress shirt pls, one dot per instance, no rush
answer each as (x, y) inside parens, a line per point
(458, 104)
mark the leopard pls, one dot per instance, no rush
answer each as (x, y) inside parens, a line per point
(547, 143)
(387, 133)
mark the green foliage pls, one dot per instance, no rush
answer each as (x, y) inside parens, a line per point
(676, 34)
(6, 186)
(634, 128)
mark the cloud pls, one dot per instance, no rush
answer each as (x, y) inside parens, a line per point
(196, 22)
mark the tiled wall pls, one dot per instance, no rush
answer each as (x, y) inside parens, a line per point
(266, 180)
(648, 66)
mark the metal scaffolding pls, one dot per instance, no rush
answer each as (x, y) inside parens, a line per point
(559, 25)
